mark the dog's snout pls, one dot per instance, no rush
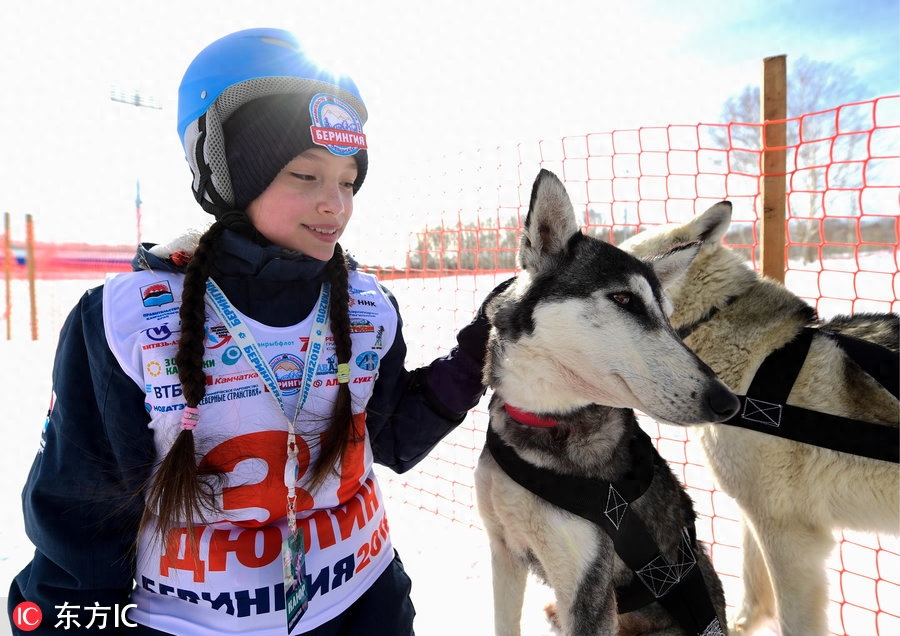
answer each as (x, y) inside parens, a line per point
(722, 402)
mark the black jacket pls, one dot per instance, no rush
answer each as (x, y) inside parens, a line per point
(83, 497)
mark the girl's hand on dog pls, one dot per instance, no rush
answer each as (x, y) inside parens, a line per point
(473, 337)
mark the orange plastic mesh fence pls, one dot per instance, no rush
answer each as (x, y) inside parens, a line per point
(842, 228)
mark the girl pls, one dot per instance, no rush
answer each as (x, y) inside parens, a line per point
(207, 462)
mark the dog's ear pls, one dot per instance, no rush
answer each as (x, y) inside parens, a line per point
(710, 226)
(671, 265)
(549, 225)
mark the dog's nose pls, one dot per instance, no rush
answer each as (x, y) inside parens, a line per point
(722, 402)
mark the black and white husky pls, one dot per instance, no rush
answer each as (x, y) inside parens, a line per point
(568, 484)
(793, 494)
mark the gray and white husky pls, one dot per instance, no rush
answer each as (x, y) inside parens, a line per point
(793, 495)
(568, 485)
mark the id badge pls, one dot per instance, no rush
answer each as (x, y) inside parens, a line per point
(293, 560)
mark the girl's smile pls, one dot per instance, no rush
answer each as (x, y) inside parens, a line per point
(309, 203)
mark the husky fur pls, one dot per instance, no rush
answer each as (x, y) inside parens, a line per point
(792, 495)
(581, 336)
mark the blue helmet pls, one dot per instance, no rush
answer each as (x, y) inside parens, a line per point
(231, 72)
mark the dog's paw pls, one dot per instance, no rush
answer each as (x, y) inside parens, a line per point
(552, 615)
(745, 626)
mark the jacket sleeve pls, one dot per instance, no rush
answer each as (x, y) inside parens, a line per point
(82, 500)
(411, 411)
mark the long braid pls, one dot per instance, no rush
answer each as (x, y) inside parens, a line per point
(178, 495)
(341, 431)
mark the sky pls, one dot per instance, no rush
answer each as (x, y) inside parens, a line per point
(439, 78)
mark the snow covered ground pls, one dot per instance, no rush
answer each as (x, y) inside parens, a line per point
(448, 560)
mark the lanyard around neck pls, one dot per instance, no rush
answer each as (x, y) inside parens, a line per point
(247, 343)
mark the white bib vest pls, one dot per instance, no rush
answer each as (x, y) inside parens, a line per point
(234, 584)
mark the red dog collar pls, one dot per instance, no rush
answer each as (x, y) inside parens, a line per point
(530, 419)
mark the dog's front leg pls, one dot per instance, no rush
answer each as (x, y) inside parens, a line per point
(758, 605)
(795, 553)
(589, 608)
(509, 576)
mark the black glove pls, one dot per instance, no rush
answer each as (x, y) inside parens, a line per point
(473, 337)
(452, 384)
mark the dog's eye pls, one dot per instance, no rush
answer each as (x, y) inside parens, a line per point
(622, 298)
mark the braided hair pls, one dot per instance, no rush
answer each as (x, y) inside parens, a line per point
(183, 490)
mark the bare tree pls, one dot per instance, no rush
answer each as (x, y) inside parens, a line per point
(478, 245)
(822, 146)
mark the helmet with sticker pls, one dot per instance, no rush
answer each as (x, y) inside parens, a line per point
(231, 72)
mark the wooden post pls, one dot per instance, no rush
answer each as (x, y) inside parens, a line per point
(7, 273)
(29, 255)
(773, 108)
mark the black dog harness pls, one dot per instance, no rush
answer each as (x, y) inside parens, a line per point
(765, 407)
(679, 587)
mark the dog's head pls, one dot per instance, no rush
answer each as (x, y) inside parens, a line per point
(586, 323)
(711, 278)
